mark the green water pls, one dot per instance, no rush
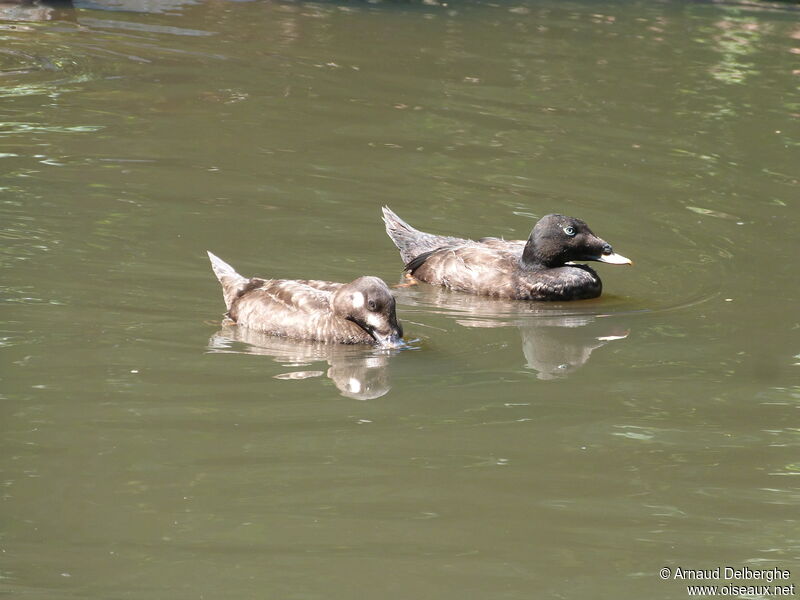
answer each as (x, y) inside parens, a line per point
(516, 451)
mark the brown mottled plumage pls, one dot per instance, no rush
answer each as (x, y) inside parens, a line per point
(359, 312)
(536, 269)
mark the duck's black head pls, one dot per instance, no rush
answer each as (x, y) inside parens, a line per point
(368, 303)
(558, 239)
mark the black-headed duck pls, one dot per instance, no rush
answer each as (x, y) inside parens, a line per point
(359, 312)
(537, 269)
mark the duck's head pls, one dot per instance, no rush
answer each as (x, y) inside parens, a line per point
(368, 303)
(558, 239)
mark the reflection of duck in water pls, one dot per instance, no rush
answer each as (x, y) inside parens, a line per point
(558, 347)
(357, 372)
(359, 312)
(540, 268)
(555, 344)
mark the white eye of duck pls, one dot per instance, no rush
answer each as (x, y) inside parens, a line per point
(569, 230)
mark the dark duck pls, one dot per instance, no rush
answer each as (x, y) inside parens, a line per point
(359, 312)
(541, 268)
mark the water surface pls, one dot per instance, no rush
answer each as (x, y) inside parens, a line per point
(516, 450)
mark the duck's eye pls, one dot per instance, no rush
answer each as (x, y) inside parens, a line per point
(371, 304)
(569, 230)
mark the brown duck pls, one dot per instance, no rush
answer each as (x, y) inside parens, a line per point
(539, 268)
(359, 312)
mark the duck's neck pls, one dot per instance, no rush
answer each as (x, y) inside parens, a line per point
(534, 258)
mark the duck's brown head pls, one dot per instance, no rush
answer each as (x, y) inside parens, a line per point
(368, 303)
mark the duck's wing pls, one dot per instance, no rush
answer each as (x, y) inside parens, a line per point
(485, 251)
(412, 242)
(473, 267)
(286, 295)
(292, 294)
(319, 285)
(296, 309)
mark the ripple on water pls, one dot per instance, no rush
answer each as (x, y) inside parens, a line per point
(49, 70)
(62, 57)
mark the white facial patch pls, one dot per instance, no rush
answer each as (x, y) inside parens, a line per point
(375, 320)
(358, 300)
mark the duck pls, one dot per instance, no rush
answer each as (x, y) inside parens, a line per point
(543, 267)
(360, 312)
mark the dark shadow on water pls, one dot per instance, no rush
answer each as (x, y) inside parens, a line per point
(359, 372)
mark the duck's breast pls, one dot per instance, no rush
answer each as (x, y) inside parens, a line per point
(571, 282)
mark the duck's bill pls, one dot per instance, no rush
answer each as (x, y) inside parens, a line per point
(613, 259)
(388, 341)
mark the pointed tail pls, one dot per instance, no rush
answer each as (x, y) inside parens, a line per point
(232, 282)
(404, 236)
(412, 242)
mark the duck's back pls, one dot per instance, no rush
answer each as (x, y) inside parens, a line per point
(294, 308)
